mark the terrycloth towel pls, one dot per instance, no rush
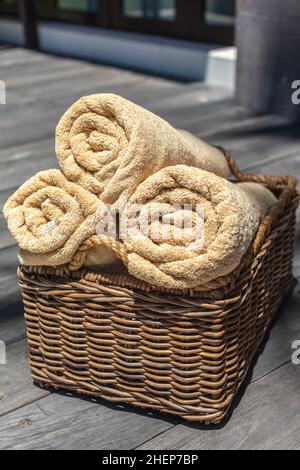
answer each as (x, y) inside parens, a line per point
(53, 219)
(224, 220)
(109, 145)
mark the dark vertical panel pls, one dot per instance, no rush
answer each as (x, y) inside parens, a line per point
(190, 17)
(29, 20)
(103, 13)
(115, 12)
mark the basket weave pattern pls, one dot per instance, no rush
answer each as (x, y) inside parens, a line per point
(122, 340)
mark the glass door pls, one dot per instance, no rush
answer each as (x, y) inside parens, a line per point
(195, 20)
(156, 17)
(9, 7)
(198, 20)
(218, 12)
(154, 9)
(73, 11)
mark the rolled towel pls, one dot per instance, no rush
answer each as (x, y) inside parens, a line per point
(109, 145)
(52, 219)
(224, 218)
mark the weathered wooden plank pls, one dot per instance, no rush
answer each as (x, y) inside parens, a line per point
(38, 121)
(17, 164)
(199, 117)
(192, 105)
(267, 417)
(12, 323)
(251, 138)
(245, 125)
(34, 69)
(289, 165)
(32, 151)
(6, 239)
(54, 85)
(24, 171)
(10, 294)
(8, 261)
(297, 246)
(257, 145)
(276, 349)
(17, 56)
(16, 385)
(37, 65)
(297, 267)
(88, 79)
(60, 422)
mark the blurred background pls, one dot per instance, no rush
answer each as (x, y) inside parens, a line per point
(226, 70)
(188, 40)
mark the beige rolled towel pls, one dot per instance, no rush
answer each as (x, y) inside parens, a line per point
(224, 220)
(109, 145)
(52, 220)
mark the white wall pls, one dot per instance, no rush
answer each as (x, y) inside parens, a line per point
(11, 32)
(178, 59)
(221, 67)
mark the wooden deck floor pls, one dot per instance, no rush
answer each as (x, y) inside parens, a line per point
(267, 413)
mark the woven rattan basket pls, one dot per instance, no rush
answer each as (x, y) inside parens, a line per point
(122, 340)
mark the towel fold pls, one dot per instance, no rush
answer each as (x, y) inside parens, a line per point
(53, 219)
(223, 220)
(109, 145)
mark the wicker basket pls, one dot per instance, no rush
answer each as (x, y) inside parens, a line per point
(119, 339)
